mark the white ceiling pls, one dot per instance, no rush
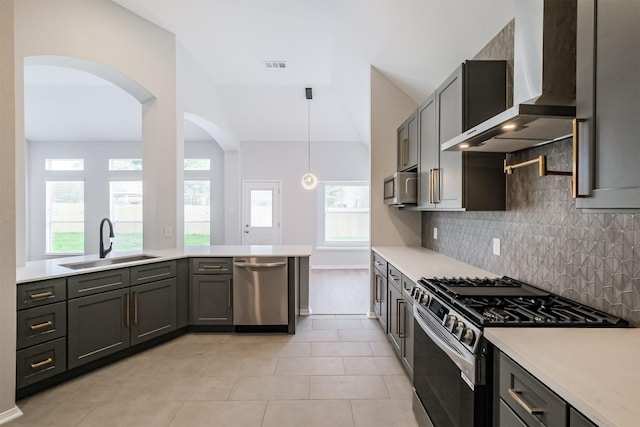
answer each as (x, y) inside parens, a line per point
(328, 45)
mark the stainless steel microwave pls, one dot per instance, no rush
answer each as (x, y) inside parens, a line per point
(401, 188)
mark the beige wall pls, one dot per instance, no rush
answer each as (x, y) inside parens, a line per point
(8, 409)
(389, 108)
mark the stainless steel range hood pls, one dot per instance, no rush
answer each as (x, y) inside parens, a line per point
(544, 86)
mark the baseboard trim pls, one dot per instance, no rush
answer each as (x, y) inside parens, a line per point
(339, 267)
(9, 415)
(305, 312)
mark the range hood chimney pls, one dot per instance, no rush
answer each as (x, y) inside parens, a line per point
(544, 86)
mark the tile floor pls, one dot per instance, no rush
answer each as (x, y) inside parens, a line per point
(335, 371)
(343, 291)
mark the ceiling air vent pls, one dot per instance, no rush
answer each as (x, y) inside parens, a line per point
(275, 64)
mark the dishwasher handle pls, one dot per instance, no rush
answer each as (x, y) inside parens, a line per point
(259, 264)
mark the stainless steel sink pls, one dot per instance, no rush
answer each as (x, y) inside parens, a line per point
(106, 261)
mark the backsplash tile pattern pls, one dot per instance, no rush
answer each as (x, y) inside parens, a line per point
(590, 258)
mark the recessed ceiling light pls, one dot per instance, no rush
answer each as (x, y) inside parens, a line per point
(275, 64)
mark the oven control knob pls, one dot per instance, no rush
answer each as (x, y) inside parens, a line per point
(467, 336)
(425, 299)
(459, 326)
(450, 322)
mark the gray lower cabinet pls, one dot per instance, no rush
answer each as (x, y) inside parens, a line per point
(407, 331)
(154, 310)
(98, 325)
(523, 400)
(109, 320)
(380, 290)
(401, 322)
(182, 292)
(211, 299)
(395, 317)
(41, 331)
(608, 104)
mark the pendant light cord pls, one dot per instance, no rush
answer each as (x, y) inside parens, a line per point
(309, 135)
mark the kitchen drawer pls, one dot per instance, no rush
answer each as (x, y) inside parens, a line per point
(407, 284)
(41, 324)
(380, 263)
(576, 419)
(95, 283)
(212, 266)
(532, 401)
(394, 276)
(152, 272)
(41, 361)
(35, 294)
(508, 418)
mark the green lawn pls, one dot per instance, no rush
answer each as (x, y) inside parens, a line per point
(73, 242)
(197, 239)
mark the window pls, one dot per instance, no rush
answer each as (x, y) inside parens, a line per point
(344, 214)
(197, 201)
(126, 213)
(64, 213)
(197, 164)
(197, 217)
(125, 164)
(64, 165)
(261, 208)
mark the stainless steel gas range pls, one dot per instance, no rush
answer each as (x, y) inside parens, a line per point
(452, 365)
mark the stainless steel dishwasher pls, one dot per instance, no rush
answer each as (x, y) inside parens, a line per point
(260, 291)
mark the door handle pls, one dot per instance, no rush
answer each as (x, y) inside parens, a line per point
(41, 325)
(516, 396)
(259, 264)
(127, 309)
(436, 185)
(377, 290)
(246, 231)
(400, 332)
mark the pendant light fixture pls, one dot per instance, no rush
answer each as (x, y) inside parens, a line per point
(309, 180)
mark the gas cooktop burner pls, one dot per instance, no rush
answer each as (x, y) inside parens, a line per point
(467, 286)
(508, 302)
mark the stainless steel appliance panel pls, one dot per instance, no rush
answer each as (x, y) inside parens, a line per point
(260, 291)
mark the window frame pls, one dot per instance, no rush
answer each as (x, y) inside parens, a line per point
(321, 210)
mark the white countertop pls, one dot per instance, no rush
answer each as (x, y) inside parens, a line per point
(596, 370)
(416, 262)
(51, 268)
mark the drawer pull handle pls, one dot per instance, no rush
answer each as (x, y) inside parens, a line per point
(43, 363)
(41, 295)
(516, 396)
(41, 325)
(212, 267)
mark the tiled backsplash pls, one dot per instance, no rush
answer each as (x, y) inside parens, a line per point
(590, 258)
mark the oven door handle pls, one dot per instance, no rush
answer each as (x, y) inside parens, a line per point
(466, 364)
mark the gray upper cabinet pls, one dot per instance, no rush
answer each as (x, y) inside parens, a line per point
(608, 100)
(451, 179)
(408, 144)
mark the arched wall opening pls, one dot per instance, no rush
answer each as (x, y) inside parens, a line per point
(204, 183)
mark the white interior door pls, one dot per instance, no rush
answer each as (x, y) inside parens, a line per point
(261, 213)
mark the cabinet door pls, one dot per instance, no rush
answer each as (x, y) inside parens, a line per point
(182, 292)
(608, 99)
(395, 324)
(153, 310)
(429, 152)
(98, 325)
(408, 144)
(448, 178)
(380, 298)
(211, 300)
(407, 334)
